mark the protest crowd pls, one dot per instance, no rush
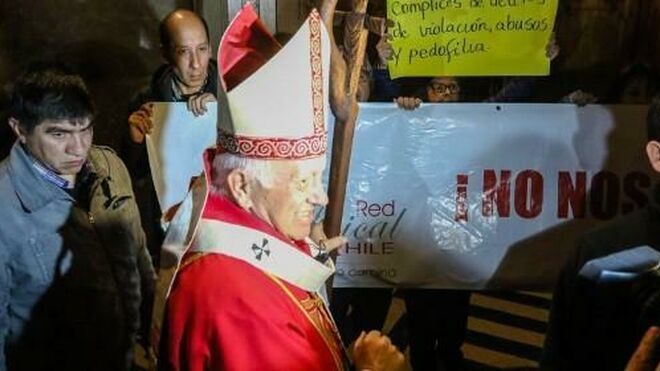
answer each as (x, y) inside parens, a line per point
(278, 255)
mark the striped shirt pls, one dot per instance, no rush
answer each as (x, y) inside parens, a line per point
(54, 178)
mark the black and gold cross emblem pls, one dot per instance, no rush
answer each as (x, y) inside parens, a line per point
(259, 251)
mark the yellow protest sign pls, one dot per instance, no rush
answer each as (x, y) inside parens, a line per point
(470, 37)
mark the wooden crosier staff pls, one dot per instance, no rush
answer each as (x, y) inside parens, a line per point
(344, 78)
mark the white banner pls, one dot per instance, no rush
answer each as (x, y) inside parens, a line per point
(484, 195)
(457, 195)
(175, 148)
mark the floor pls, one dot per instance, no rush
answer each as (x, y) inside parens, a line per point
(506, 330)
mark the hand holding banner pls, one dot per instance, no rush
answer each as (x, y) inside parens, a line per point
(470, 37)
(175, 148)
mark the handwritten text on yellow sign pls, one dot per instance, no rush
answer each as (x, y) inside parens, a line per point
(470, 37)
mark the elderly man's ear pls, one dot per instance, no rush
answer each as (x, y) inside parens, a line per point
(239, 188)
(653, 152)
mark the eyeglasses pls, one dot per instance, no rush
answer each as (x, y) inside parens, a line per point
(439, 87)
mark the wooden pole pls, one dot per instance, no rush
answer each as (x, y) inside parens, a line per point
(344, 78)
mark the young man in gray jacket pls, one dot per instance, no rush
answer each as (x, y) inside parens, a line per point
(74, 269)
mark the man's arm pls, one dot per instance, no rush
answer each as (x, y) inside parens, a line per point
(147, 286)
(646, 355)
(131, 264)
(140, 123)
(145, 268)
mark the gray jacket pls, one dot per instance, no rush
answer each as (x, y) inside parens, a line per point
(73, 271)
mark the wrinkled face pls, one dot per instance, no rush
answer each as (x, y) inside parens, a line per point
(288, 203)
(60, 145)
(443, 89)
(189, 55)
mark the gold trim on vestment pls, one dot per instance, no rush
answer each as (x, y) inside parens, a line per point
(191, 259)
(330, 336)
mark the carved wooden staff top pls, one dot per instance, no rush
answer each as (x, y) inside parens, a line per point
(344, 78)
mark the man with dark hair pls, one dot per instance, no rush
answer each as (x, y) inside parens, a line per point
(74, 269)
(597, 325)
(188, 76)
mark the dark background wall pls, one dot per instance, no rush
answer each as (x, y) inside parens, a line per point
(113, 44)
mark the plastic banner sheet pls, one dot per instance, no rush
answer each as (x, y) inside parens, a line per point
(470, 37)
(484, 195)
(175, 148)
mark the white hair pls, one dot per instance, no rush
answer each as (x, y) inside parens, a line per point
(224, 163)
(260, 170)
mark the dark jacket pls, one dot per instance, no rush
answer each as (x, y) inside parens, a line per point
(596, 326)
(74, 271)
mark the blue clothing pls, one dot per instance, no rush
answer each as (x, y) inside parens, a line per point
(52, 176)
(385, 89)
(73, 267)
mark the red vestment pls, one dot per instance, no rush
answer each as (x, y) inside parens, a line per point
(226, 314)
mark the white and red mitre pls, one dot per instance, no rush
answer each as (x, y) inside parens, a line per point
(273, 101)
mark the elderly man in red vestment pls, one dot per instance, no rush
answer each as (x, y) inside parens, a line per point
(247, 291)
